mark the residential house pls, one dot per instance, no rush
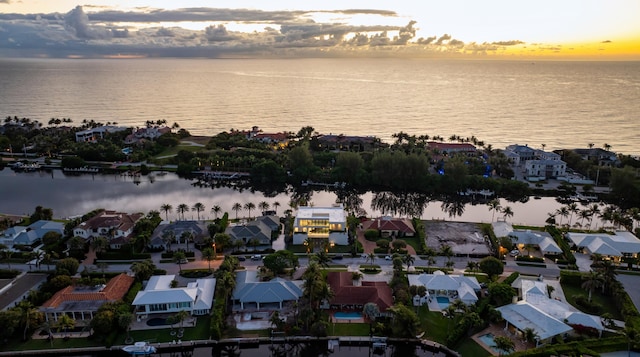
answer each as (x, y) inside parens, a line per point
(94, 134)
(391, 227)
(353, 295)
(82, 302)
(613, 246)
(601, 156)
(323, 225)
(451, 286)
(20, 235)
(451, 148)
(198, 230)
(158, 297)
(261, 229)
(151, 133)
(252, 294)
(117, 227)
(546, 169)
(345, 142)
(519, 154)
(546, 316)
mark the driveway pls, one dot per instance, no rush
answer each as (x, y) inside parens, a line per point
(631, 286)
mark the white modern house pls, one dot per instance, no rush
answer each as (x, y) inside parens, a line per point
(545, 169)
(159, 297)
(326, 225)
(521, 238)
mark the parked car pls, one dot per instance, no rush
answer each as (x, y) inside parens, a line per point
(514, 253)
(256, 257)
(337, 257)
(388, 257)
(242, 258)
(182, 261)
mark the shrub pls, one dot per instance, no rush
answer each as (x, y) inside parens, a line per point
(371, 234)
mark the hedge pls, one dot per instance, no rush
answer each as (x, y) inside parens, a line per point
(122, 256)
(169, 255)
(526, 258)
(8, 274)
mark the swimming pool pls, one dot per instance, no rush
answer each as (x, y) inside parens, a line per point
(340, 315)
(443, 302)
(487, 339)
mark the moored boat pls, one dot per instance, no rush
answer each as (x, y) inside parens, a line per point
(139, 349)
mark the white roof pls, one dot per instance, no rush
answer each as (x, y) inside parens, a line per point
(439, 281)
(541, 239)
(158, 290)
(333, 214)
(607, 244)
(206, 289)
(524, 315)
(502, 229)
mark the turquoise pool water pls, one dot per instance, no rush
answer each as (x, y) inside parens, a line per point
(487, 339)
(347, 315)
(443, 302)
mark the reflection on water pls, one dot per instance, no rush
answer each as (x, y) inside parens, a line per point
(79, 194)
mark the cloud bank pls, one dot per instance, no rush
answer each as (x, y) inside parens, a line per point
(106, 32)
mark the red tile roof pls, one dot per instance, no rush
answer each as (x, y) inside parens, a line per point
(345, 293)
(113, 291)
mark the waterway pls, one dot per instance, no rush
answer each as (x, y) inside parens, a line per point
(72, 195)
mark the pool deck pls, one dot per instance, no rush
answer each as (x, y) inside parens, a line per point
(497, 330)
(346, 321)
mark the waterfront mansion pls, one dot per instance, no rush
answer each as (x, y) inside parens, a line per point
(322, 225)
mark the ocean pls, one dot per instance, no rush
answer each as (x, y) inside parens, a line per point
(552, 103)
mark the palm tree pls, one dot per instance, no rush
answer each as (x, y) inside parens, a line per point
(447, 251)
(237, 207)
(563, 212)
(179, 258)
(208, 254)
(494, 206)
(275, 206)
(371, 257)
(166, 208)
(264, 206)
(585, 214)
(408, 259)
(216, 210)
(168, 237)
(507, 212)
(591, 281)
(572, 208)
(186, 236)
(182, 208)
(249, 206)
(65, 322)
(322, 258)
(504, 344)
(198, 207)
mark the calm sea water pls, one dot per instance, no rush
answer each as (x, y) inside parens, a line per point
(560, 104)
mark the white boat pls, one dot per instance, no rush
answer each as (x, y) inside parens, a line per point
(139, 349)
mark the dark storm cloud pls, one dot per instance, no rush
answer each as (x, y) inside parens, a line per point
(5, 1)
(218, 33)
(198, 14)
(606, 41)
(426, 41)
(364, 12)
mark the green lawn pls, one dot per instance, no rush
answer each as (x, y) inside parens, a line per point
(199, 332)
(18, 345)
(174, 150)
(434, 324)
(469, 348)
(349, 329)
(607, 303)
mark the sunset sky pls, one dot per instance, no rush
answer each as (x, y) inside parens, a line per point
(584, 29)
